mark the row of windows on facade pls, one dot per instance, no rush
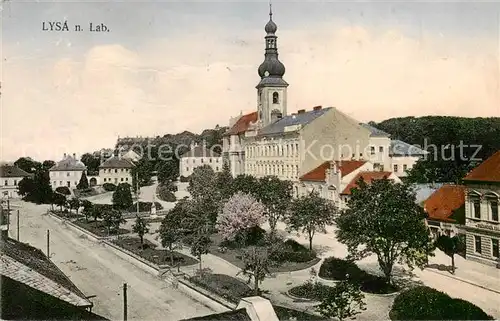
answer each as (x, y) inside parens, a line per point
(68, 173)
(495, 250)
(288, 171)
(109, 180)
(216, 169)
(286, 150)
(372, 149)
(110, 170)
(68, 183)
(7, 183)
(492, 206)
(203, 161)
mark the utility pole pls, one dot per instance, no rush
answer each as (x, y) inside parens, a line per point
(48, 244)
(18, 225)
(137, 190)
(125, 301)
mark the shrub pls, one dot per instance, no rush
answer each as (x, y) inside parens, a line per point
(144, 207)
(248, 237)
(165, 193)
(184, 179)
(337, 269)
(109, 187)
(64, 190)
(424, 303)
(312, 291)
(292, 251)
(223, 285)
(376, 285)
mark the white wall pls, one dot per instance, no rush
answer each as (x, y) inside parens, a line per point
(8, 186)
(188, 164)
(115, 175)
(403, 164)
(65, 178)
(378, 152)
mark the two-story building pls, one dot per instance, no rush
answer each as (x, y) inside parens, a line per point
(10, 176)
(116, 170)
(334, 180)
(67, 172)
(198, 155)
(482, 196)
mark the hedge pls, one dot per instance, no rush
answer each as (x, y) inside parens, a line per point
(165, 193)
(109, 187)
(424, 303)
(64, 190)
(336, 269)
(144, 207)
(311, 291)
(184, 179)
(292, 251)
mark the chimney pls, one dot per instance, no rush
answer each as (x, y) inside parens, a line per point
(74, 155)
(317, 108)
(64, 157)
(301, 111)
(258, 308)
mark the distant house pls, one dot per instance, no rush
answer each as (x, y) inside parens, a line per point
(482, 196)
(67, 172)
(10, 176)
(445, 210)
(334, 180)
(34, 288)
(116, 170)
(198, 156)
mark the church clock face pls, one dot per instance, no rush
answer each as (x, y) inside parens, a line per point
(266, 73)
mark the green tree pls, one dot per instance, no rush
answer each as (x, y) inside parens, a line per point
(224, 182)
(74, 203)
(98, 210)
(450, 246)
(112, 219)
(383, 219)
(92, 162)
(122, 197)
(200, 246)
(48, 164)
(257, 265)
(141, 227)
(310, 214)
(276, 195)
(205, 195)
(28, 165)
(246, 184)
(170, 230)
(168, 170)
(143, 171)
(84, 182)
(343, 301)
(59, 200)
(87, 209)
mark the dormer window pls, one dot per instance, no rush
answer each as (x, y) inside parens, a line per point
(276, 98)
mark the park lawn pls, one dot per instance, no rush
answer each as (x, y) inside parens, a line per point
(234, 256)
(152, 253)
(98, 228)
(225, 286)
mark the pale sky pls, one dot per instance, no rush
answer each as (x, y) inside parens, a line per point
(166, 67)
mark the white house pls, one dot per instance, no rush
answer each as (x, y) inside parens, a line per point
(116, 170)
(334, 180)
(10, 176)
(198, 156)
(67, 172)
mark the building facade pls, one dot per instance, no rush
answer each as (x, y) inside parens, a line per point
(270, 141)
(116, 170)
(67, 172)
(10, 176)
(197, 156)
(482, 196)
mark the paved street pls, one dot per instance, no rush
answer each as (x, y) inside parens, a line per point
(98, 271)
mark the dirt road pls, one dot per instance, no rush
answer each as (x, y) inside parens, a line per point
(98, 271)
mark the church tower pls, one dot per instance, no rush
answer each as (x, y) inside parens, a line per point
(271, 90)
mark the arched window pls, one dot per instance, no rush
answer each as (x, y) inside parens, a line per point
(276, 98)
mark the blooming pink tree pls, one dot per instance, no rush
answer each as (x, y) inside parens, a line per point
(241, 212)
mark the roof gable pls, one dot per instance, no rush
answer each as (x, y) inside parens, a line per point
(442, 204)
(302, 119)
(319, 173)
(487, 171)
(375, 132)
(400, 148)
(242, 124)
(368, 177)
(12, 171)
(69, 164)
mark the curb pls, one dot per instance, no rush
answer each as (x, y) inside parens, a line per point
(465, 281)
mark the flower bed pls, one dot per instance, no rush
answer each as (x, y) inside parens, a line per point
(310, 291)
(98, 228)
(223, 285)
(66, 215)
(151, 253)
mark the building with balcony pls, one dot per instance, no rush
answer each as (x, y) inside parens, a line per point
(482, 195)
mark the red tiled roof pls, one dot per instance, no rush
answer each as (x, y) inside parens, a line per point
(242, 124)
(487, 171)
(443, 202)
(319, 173)
(368, 177)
